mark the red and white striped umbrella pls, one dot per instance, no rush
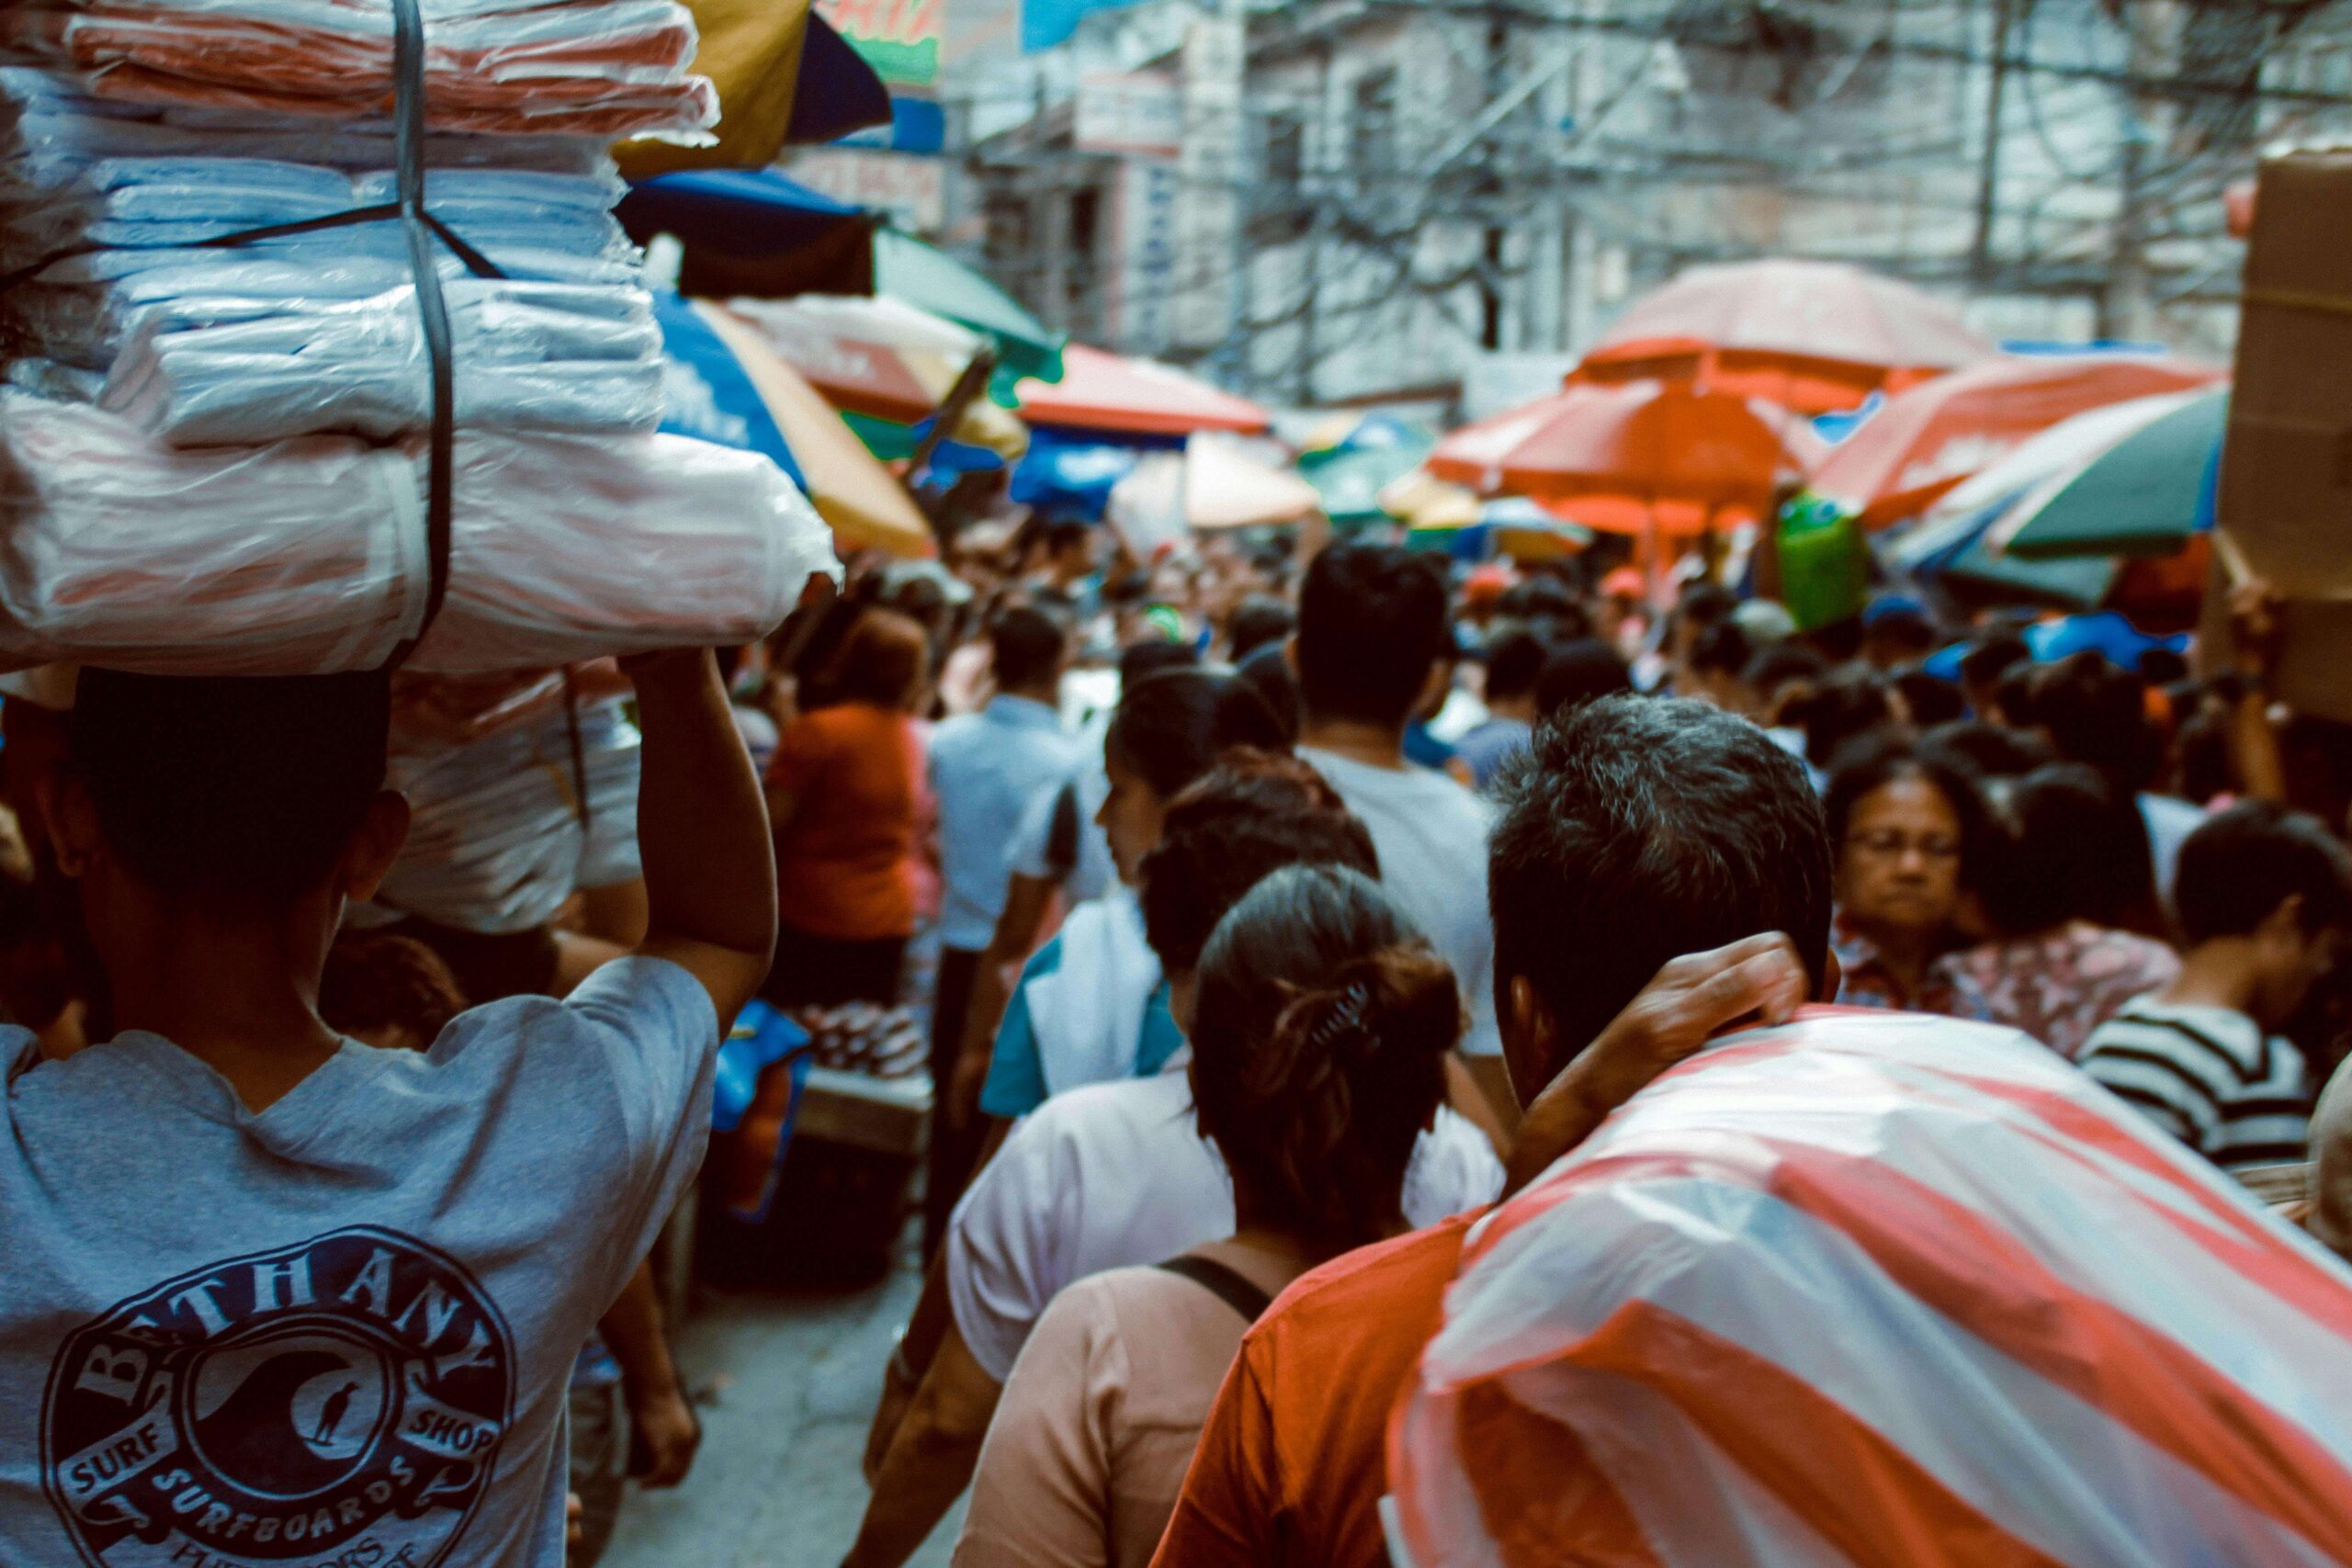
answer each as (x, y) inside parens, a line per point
(1880, 1290)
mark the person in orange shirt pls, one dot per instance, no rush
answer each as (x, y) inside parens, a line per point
(1635, 831)
(843, 793)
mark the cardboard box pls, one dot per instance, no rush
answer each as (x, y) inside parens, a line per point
(2286, 483)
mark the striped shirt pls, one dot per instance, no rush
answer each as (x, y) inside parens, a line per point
(2210, 1077)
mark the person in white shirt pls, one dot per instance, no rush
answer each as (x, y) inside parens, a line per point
(1118, 1173)
(2265, 898)
(1370, 647)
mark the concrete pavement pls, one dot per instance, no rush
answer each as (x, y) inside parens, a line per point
(786, 1385)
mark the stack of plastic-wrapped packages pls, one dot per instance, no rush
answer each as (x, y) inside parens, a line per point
(214, 456)
(522, 789)
(211, 454)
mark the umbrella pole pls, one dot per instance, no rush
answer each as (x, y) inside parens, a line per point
(960, 397)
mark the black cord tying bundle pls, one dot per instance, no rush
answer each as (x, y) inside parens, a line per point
(422, 230)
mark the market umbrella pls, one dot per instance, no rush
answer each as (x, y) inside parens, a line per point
(1348, 466)
(1810, 335)
(1929, 438)
(1508, 526)
(866, 505)
(1228, 486)
(753, 232)
(887, 366)
(908, 270)
(1104, 392)
(1639, 459)
(784, 76)
(2147, 495)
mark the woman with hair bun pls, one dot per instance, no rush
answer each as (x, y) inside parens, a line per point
(1320, 1020)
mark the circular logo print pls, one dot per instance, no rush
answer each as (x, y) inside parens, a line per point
(340, 1402)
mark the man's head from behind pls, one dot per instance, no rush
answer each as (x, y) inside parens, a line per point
(1027, 650)
(1634, 831)
(2271, 889)
(1372, 627)
(224, 800)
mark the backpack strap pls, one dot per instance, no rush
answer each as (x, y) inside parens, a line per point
(1228, 1285)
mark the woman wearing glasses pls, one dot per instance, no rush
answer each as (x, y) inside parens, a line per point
(1909, 825)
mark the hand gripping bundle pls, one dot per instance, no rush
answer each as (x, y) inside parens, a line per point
(1875, 1288)
(304, 388)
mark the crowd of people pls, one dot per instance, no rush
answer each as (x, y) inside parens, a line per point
(1321, 788)
(1275, 914)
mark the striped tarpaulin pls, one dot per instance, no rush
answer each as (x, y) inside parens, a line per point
(1880, 1290)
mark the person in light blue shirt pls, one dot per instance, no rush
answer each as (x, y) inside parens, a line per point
(986, 769)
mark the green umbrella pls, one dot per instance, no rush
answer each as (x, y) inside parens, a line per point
(907, 269)
(2147, 495)
(1349, 473)
(2072, 582)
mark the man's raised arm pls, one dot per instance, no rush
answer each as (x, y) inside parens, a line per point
(701, 832)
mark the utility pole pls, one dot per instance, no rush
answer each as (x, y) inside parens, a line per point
(1988, 176)
(2127, 308)
(1490, 188)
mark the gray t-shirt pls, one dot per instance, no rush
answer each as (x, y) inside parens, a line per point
(339, 1331)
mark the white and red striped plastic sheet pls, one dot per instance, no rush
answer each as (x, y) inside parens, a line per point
(1877, 1289)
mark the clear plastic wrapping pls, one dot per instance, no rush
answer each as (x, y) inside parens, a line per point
(608, 68)
(497, 840)
(1876, 1288)
(527, 357)
(308, 554)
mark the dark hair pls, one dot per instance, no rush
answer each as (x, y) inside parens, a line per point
(2162, 666)
(1371, 623)
(1871, 764)
(1268, 672)
(1258, 620)
(1170, 728)
(1063, 532)
(1990, 657)
(1636, 830)
(881, 661)
(2056, 857)
(1704, 605)
(1250, 815)
(1905, 632)
(1140, 660)
(1930, 699)
(377, 980)
(2203, 761)
(1514, 662)
(2097, 714)
(1992, 750)
(1578, 672)
(1721, 649)
(244, 790)
(1778, 663)
(1320, 1028)
(1545, 604)
(1027, 645)
(2241, 864)
(1841, 706)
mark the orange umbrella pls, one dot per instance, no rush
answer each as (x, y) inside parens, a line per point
(1813, 336)
(1927, 440)
(1636, 459)
(1108, 391)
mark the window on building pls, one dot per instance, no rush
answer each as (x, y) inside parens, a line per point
(1371, 126)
